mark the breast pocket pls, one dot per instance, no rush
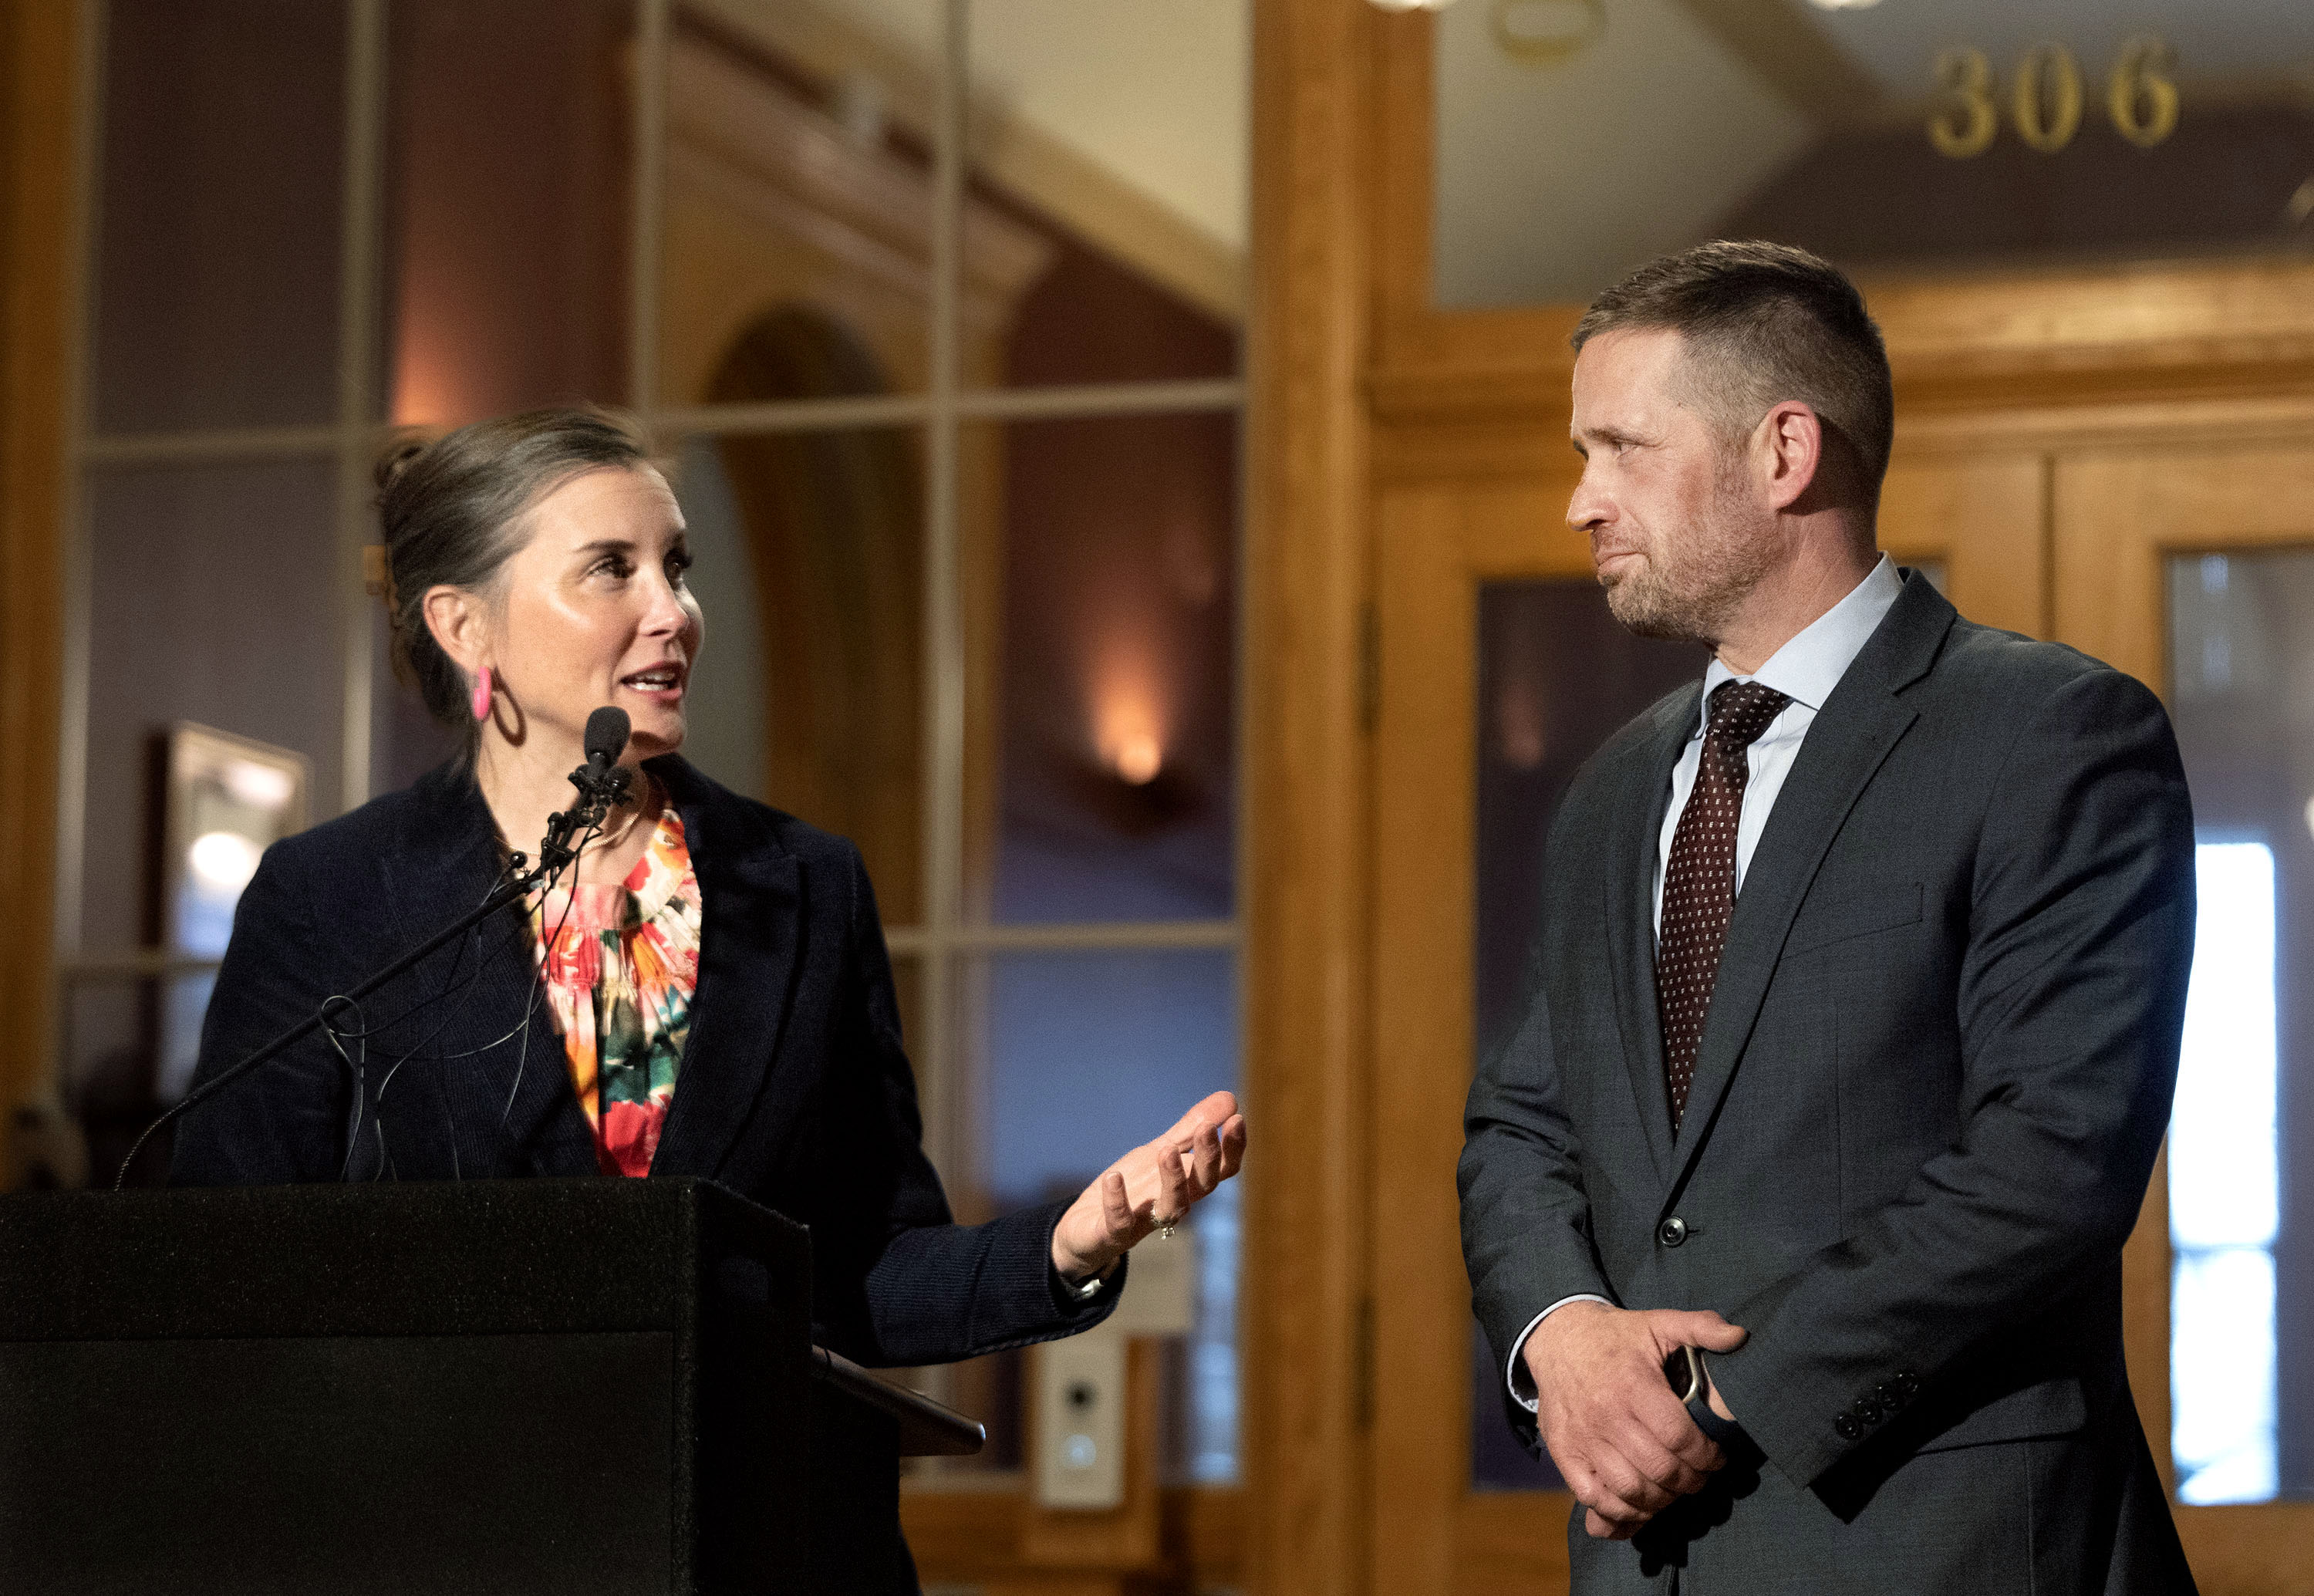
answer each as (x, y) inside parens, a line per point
(1856, 912)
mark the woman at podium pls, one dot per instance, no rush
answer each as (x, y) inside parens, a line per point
(706, 994)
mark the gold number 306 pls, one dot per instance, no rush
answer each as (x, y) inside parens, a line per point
(2046, 98)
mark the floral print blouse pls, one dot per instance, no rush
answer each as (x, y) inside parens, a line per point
(621, 962)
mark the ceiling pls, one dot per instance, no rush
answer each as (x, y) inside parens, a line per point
(1552, 181)
(1155, 94)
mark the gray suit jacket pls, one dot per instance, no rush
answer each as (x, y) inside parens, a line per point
(1936, 1070)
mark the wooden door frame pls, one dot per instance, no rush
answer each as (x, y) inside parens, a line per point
(1439, 545)
(2119, 515)
(1306, 1332)
(40, 291)
(1359, 389)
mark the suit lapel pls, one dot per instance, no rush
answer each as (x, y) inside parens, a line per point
(751, 899)
(448, 861)
(1859, 723)
(1642, 794)
(526, 1077)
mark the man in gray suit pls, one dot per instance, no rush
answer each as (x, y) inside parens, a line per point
(1853, 1019)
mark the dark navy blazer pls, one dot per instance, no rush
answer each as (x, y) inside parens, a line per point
(794, 1090)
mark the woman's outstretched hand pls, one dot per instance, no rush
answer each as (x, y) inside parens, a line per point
(1155, 1185)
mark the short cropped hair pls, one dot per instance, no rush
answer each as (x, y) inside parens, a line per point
(1765, 322)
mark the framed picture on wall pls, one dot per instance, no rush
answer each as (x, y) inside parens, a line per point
(225, 800)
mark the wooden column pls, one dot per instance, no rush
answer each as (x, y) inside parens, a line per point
(1305, 1293)
(38, 50)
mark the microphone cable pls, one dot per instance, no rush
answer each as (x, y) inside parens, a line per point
(546, 942)
(357, 1070)
(511, 937)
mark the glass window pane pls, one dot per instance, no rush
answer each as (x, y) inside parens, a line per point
(1881, 136)
(1059, 1107)
(809, 687)
(2241, 644)
(799, 187)
(217, 270)
(1111, 677)
(1078, 1057)
(109, 1041)
(214, 598)
(1116, 139)
(1556, 678)
(509, 170)
(2224, 1179)
(2221, 1371)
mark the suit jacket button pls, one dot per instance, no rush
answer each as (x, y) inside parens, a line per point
(1672, 1231)
(1887, 1394)
(1870, 1412)
(1847, 1426)
(1907, 1384)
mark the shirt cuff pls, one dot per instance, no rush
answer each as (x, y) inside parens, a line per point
(1074, 1301)
(1522, 1385)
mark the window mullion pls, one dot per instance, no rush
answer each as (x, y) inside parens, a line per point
(359, 279)
(644, 240)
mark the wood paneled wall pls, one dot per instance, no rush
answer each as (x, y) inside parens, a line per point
(39, 47)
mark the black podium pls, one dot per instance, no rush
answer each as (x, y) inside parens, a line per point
(567, 1387)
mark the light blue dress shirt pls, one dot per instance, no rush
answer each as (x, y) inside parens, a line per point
(1805, 670)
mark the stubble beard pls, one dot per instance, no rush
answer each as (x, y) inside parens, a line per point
(1690, 596)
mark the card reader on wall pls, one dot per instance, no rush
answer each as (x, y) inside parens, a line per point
(1079, 1400)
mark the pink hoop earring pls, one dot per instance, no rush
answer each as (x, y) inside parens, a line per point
(482, 694)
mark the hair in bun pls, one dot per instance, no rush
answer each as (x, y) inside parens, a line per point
(395, 461)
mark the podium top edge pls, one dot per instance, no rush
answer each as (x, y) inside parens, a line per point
(498, 1257)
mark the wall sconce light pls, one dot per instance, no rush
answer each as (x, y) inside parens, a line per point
(1128, 723)
(1411, 5)
(1138, 759)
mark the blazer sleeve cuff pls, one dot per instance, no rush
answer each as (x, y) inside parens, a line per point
(1071, 1310)
(1782, 1431)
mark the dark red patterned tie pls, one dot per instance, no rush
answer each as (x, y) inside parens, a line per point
(1700, 881)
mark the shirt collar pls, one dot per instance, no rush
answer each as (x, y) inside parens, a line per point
(1810, 665)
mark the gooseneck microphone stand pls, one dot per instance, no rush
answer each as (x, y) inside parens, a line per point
(600, 785)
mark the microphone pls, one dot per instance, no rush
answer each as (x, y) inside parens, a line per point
(607, 739)
(601, 781)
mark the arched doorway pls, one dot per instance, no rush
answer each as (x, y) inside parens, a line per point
(834, 521)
